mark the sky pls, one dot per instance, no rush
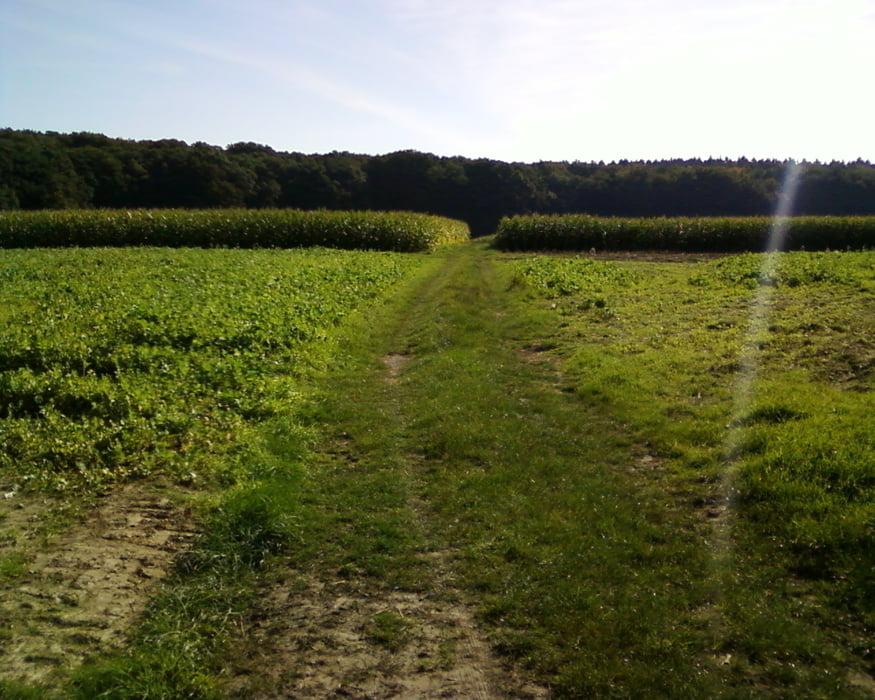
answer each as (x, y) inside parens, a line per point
(512, 80)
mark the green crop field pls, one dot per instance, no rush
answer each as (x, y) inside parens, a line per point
(719, 234)
(606, 476)
(232, 228)
(118, 363)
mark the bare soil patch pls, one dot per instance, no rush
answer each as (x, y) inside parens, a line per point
(862, 681)
(80, 595)
(538, 354)
(22, 518)
(395, 362)
(317, 638)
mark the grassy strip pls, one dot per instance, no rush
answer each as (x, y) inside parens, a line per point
(790, 454)
(721, 234)
(583, 574)
(234, 228)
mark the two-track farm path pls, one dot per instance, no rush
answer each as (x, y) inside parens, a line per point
(387, 619)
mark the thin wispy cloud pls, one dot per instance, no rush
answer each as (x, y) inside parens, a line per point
(544, 66)
(298, 76)
(510, 79)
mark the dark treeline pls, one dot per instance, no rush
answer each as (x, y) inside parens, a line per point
(84, 170)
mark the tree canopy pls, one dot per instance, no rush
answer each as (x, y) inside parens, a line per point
(84, 170)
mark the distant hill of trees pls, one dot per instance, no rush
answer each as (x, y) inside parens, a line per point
(84, 170)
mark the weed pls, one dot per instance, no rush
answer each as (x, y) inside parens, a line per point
(389, 630)
(12, 565)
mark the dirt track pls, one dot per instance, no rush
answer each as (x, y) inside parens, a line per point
(319, 639)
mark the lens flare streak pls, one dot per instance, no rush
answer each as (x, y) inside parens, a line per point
(744, 391)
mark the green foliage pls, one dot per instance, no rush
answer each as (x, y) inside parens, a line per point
(53, 171)
(669, 360)
(791, 270)
(235, 228)
(564, 276)
(15, 691)
(726, 234)
(117, 364)
(586, 280)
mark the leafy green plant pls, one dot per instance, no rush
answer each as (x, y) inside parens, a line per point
(161, 361)
(586, 280)
(389, 630)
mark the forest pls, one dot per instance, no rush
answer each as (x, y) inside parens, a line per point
(86, 170)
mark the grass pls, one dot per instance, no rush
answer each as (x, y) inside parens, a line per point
(17, 691)
(791, 558)
(624, 527)
(389, 630)
(570, 559)
(566, 454)
(12, 565)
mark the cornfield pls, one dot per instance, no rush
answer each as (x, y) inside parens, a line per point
(706, 234)
(231, 228)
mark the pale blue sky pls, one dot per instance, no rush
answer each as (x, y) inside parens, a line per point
(515, 80)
